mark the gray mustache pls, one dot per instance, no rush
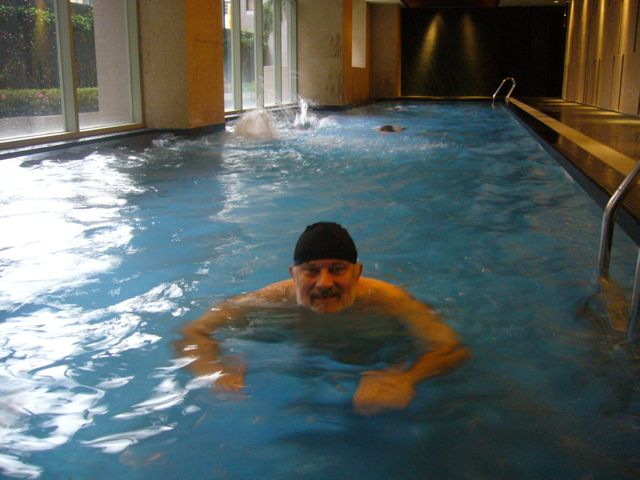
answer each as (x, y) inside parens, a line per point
(325, 293)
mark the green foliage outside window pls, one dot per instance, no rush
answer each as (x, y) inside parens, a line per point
(267, 23)
(43, 102)
(247, 37)
(29, 48)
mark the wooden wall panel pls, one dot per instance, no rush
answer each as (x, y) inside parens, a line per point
(602, 65)
(385, 51)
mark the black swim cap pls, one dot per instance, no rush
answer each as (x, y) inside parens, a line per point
(325, 240)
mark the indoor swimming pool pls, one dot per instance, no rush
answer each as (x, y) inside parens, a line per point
(107, 250)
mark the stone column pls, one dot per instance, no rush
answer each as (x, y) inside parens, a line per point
(181, 45)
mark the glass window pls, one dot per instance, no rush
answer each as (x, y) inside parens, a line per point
(268, 54)
(228, 59)
(67, 66)
(264, 64)
(102, 63)
(285, 55)
(30, 94)
(247, 56)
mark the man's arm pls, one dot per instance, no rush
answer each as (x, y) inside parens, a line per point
(394, 388)
(445, 351)
(199, 344)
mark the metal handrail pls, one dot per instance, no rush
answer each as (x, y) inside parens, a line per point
(513, 86)
(608, 221)
(606, 237)
(634, 310)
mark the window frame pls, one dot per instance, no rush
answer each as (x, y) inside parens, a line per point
(67, 74)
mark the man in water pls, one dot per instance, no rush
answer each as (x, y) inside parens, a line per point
(326, 278)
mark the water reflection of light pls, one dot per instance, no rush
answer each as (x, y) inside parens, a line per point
(11, 465)
(38, 389)
(118, 442)
(63, 224)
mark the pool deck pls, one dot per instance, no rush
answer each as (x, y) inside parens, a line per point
(600, 144)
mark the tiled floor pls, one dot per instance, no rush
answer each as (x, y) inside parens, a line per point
(601, 144)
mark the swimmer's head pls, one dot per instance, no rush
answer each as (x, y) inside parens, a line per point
(325, 270)
(390, 128)
(325, 240)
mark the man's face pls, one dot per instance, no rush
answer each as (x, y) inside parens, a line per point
(326, 286)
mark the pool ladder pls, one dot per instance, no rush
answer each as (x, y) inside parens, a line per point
(513, 86)
(604, 256)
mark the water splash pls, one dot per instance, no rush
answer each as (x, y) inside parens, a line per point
(256, 124)
(305, 119)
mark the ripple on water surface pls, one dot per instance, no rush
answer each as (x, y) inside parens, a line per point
(106, 253)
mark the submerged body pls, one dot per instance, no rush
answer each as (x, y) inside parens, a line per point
(379, 390)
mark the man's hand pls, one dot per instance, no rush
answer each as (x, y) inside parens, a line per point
(382, 390)
(231, 380)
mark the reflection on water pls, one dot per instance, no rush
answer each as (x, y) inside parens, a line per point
(45, 351)
(106, 254)
(65, 224)
(61, 222)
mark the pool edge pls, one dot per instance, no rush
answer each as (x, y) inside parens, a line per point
(597, 168)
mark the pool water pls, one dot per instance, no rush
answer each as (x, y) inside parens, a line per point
(106, 251)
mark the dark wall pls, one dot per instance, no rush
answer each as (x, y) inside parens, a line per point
(468, 51)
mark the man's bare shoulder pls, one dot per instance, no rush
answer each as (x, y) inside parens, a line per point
(373, 289)
(281, 292)
(283, 289)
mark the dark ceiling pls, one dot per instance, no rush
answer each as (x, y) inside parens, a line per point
(449, 3)
(479, 3)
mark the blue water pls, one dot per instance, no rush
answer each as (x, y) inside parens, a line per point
(107, 251)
